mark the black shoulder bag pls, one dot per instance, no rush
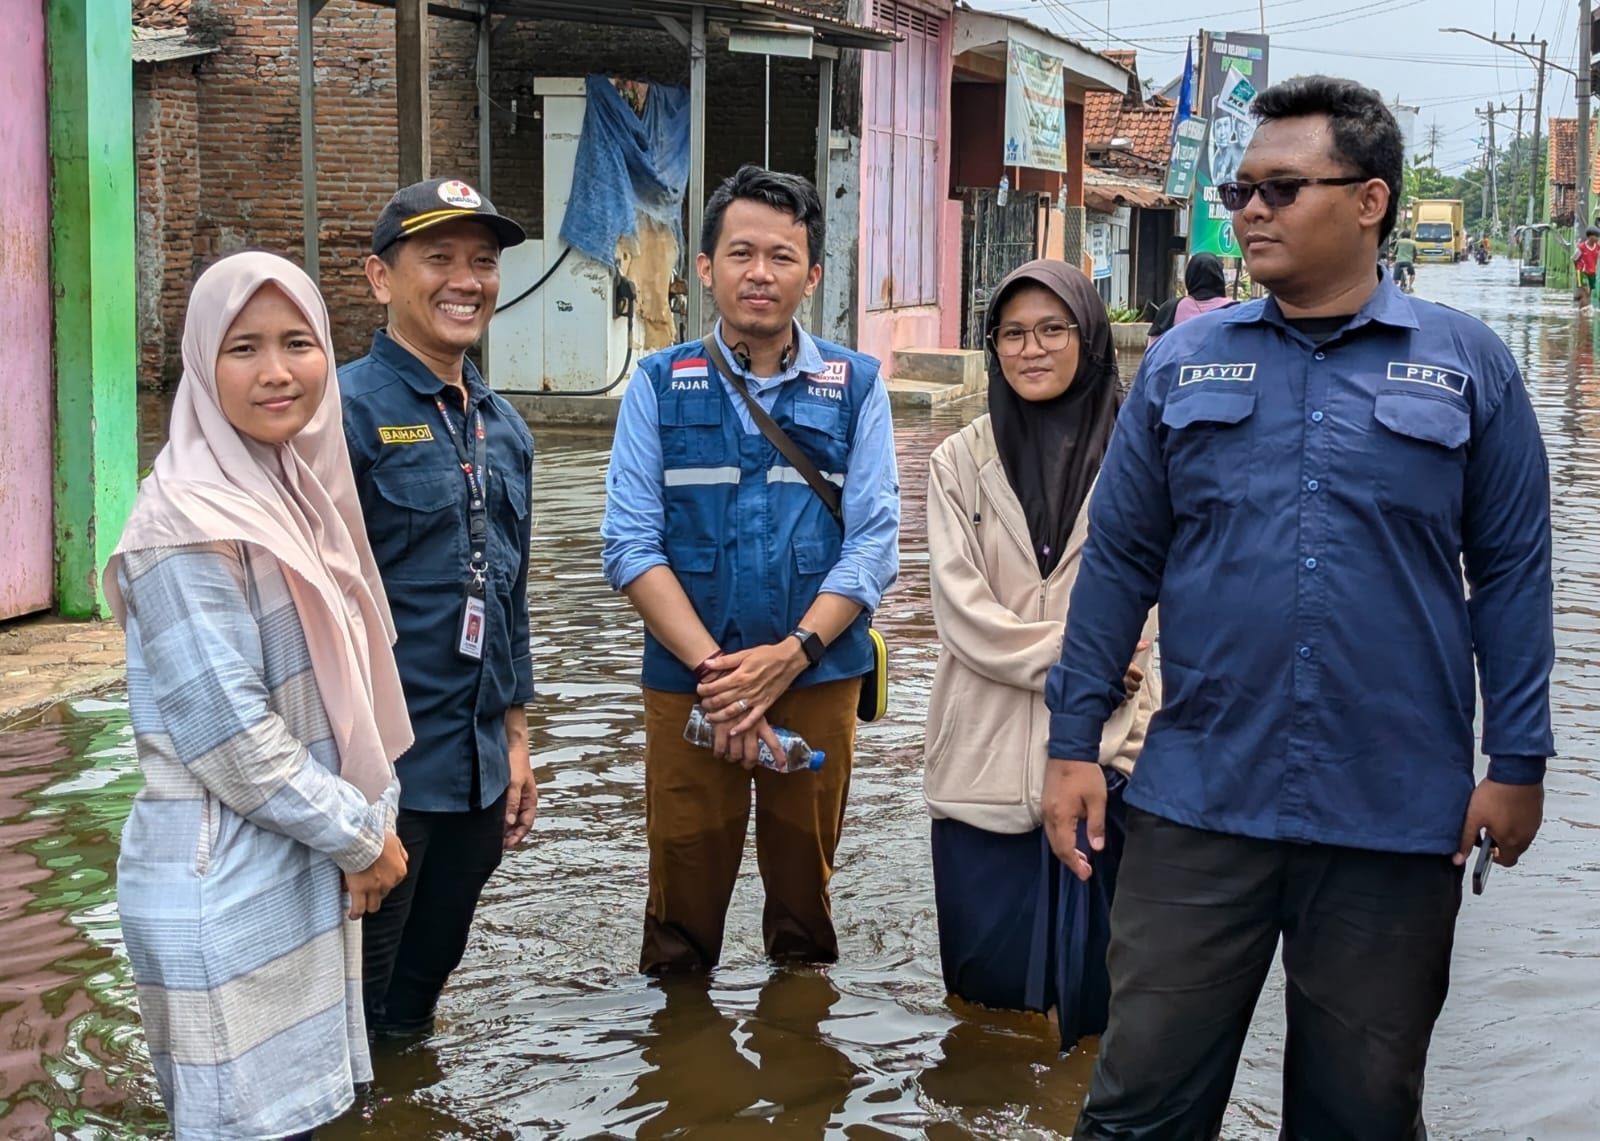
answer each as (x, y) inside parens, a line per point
(874, 685)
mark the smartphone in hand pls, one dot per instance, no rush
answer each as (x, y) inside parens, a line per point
(1480, 870)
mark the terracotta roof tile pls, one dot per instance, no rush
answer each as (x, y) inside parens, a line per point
(1147, 129)
(1564, 166)
(161, 13)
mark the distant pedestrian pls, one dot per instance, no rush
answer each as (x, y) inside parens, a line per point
(1587, 260)
(445, 468)
(1006, 528)
(1340, 496)
(755, 596)
(266, 713)
(1205, 291)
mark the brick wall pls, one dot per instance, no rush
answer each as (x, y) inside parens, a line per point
(165, 127)
(241, 165)
(250, 136)
(735, 112)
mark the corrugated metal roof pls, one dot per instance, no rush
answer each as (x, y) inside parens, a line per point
(163, 45)
(1105, 192)
(742, 13)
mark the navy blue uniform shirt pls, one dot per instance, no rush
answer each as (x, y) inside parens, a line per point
(1304, 514)
(414, 495)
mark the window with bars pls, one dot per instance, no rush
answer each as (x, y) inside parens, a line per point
(900, 192)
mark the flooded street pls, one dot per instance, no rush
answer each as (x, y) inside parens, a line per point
(547, 1031)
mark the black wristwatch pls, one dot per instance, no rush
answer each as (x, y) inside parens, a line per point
(810, 643)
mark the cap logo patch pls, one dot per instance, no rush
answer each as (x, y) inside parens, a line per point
(458, 193)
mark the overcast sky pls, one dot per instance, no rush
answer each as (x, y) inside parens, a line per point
(1393, 45)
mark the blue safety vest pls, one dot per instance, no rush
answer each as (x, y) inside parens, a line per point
(748, 538)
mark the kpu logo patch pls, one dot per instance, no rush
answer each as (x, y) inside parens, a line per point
(458, 193)
(1198, 373)
(690, 376)
(833, 373)
(1432, 375)
(410, 434)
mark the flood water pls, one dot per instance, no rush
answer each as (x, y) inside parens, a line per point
(547, 1031)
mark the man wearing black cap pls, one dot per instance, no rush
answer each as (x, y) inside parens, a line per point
(445, 469)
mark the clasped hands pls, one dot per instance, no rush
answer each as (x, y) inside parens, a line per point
(368, 887)
(739, 689)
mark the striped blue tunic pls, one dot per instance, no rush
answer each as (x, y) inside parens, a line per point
(229, 889)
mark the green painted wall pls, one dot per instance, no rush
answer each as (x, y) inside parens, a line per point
(89, 45)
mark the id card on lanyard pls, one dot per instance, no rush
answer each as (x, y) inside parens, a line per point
(475, 466)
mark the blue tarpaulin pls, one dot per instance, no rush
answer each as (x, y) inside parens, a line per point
(627, 164)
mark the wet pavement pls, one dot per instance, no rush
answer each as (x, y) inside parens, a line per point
(548, 1032)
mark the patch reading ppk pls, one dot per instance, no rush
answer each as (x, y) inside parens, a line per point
(1433, 375)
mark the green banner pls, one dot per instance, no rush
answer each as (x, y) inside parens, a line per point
(1233, 69)
(1187, 142)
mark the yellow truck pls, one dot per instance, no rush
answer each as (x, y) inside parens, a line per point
(1438, 226)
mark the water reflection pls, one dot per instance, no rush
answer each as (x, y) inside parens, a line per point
(548, 1032)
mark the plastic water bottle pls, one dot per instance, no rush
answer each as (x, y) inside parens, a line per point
(798, 757)
(1004, 194)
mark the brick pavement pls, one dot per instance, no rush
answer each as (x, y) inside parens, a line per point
(45, 660)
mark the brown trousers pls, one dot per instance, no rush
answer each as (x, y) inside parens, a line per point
(697, 811)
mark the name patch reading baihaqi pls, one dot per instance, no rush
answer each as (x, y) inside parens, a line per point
(411, 434)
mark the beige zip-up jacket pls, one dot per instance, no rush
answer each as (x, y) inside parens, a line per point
(1000, 627)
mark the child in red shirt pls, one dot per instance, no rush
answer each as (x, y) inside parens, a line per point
(1587, 259)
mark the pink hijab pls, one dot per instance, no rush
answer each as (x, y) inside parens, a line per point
(211, 484)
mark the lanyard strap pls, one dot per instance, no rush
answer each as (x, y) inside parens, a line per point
(476, 469)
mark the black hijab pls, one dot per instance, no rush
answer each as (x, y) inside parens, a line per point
(1203, 279)
(1051, 449)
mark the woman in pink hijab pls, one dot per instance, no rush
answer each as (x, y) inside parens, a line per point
(267, 713)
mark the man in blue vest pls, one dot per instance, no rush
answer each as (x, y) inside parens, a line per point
(755, 599)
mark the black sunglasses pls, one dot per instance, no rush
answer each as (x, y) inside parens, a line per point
(1275, 192)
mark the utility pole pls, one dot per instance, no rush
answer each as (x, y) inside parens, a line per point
(1488, 115)
(1493, 181)
(1516, 163)
(1580, 201)
(1433, 140)
(1533, 179)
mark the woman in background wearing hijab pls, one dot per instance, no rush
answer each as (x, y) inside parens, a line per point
(1007, 519)
(267, 713)
(1204, 290)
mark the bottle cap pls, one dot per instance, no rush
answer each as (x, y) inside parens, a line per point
(816, 761)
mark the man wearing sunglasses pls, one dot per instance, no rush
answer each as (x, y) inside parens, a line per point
(1301, 481)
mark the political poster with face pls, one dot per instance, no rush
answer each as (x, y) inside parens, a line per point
(1233, 69)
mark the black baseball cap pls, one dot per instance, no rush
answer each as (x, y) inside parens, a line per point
(422, 204)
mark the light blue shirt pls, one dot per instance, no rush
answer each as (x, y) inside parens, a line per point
(635, 520)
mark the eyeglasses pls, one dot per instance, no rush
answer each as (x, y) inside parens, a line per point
(1275, 192)
(1051, 336)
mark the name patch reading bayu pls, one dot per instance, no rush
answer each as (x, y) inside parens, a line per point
(1195, 373)
(410, 434)
(1446, 378)
(690, 375)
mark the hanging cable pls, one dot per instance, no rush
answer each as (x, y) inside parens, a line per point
(534, 288)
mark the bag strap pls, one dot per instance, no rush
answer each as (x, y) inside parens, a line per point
(827, 492)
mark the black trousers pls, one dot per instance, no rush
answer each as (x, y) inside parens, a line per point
(1366, 949)
(412, 943)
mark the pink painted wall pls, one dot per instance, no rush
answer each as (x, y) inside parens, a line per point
(892, 178)
(26, 404)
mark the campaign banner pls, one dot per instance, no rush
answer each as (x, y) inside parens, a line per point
(1233, 69)
(1036, 111)
(1188, 137)
(1100, 249)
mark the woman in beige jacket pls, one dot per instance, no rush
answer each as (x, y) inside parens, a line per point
(1007, 520)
